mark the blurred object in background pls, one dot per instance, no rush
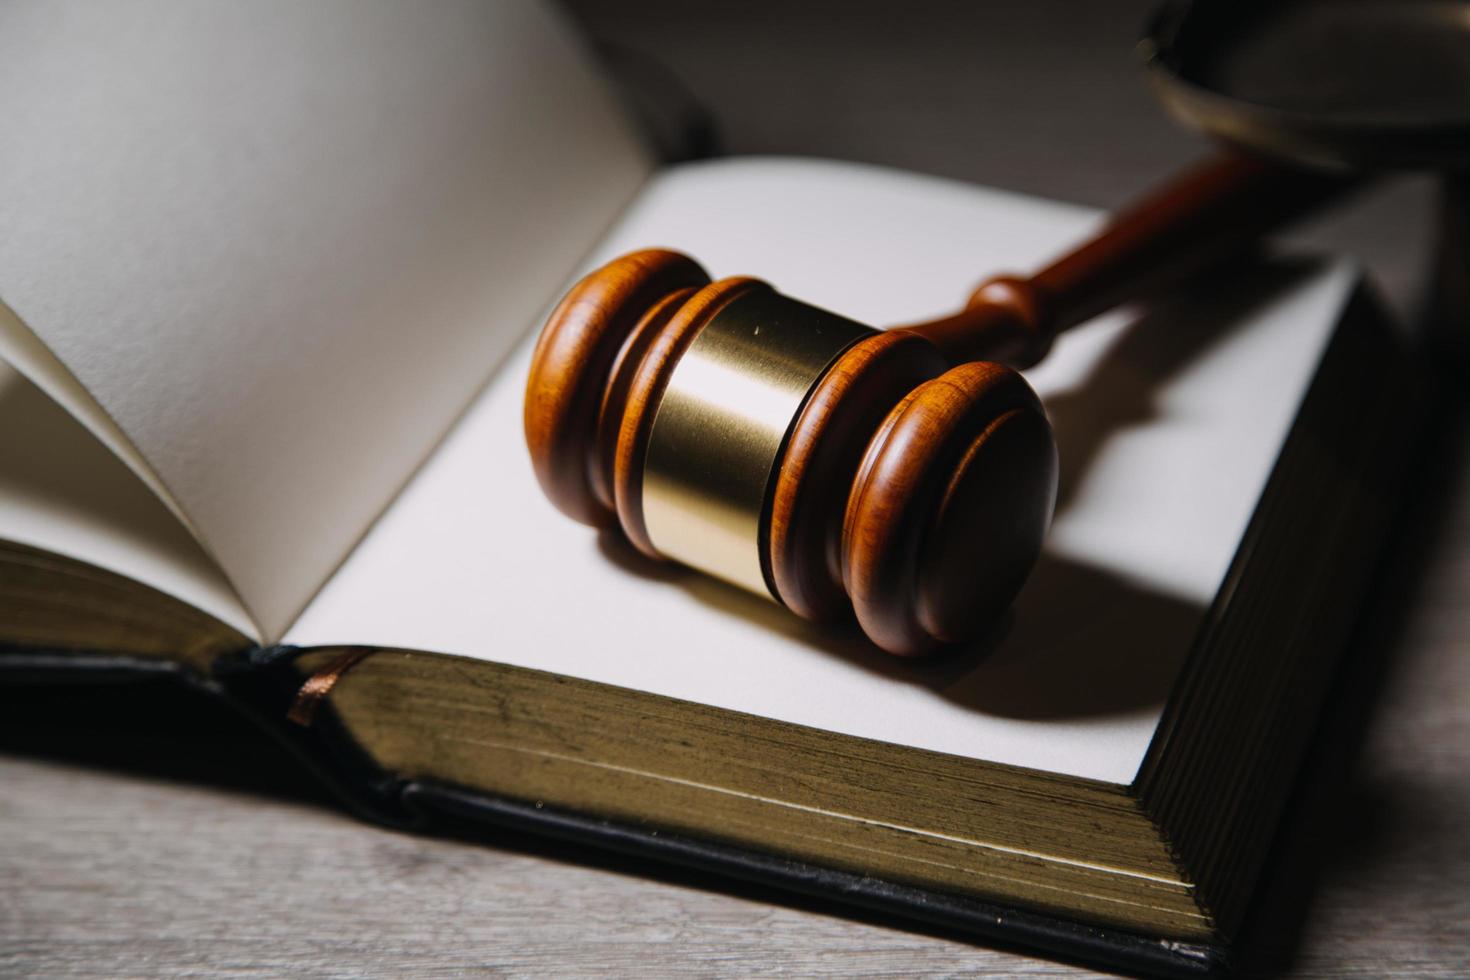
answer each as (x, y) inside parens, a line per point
(1045, 98)
(1367, 86)
(676, 124)
(1364, 85)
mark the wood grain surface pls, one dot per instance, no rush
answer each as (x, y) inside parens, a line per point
(574, 373)
(1188, 221)
(823, 453)
(145, 835)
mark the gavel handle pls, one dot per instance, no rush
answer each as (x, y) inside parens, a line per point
(1208, 214)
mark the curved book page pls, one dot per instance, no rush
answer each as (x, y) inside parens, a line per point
(23, 351)
(66, 492)
(283, 245)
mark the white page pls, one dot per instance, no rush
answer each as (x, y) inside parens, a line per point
(1166, 456)
(63, 491)
(283, 244)
(22, 351)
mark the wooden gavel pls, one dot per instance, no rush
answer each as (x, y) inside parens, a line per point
(908, 475)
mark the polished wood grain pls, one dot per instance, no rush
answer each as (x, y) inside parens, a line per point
(570, 366)
(1203, 216)
(948, 509)
(614, 407)
(822, 455)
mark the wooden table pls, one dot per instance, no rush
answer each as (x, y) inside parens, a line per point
(143, 834)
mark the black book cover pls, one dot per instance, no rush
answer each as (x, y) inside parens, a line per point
(260, 685)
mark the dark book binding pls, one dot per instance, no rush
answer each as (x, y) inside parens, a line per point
(260, 684)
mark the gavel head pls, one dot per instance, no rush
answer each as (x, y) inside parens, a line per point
(788, 450)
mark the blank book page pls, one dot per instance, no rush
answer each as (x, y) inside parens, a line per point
(1168, 428)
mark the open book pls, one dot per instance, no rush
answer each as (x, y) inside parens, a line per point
(270, 281)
